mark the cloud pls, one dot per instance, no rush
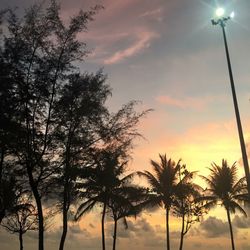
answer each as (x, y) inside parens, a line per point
(154, 14)
(143, 40)
(241, 222)
(140, 226)
(246, 247)
(119, 32)
(213, 227)
(141, 232)
(247, 143)
(74, 230)
(145, 226)
(91, 225)
(185, 102)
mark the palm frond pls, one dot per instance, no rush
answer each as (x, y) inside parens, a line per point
(208, 181)
(154, 182)
(157, 168)
(85, 208)
(128, 177)
(235, 206)
(210, 204)
(243, 197)
(240, 185)
(125, 223)
(151, 202)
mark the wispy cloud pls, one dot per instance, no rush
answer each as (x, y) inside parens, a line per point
(122, 30)
(185, 102)
(156, 14)
(143, 40)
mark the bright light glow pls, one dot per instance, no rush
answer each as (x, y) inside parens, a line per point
(220, 12)
(232, 14)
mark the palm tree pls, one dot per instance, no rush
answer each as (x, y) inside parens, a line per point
(226, 190)
(105, 186)
(125, 202)
(96, 189)
(187, 204)
(164, 185)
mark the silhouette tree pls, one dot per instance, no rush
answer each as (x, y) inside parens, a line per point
(105, 162)
(41, 51)
(125, 203)
(187, 204)
(22, 219)
(77, 116)
(101, 185)
(164, 186)
(226, 190)
(54, 118)
(8, 197)
(9, 131)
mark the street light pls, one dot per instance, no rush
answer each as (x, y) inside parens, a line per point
(221, 20)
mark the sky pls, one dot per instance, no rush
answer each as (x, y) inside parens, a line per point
(167, 54)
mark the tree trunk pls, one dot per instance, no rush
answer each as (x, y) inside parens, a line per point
(103, 231)
(40, 221)
(2, 211)
(167, 228)
(1, 163)
(2, 215)
(21, 239)
(182, 232)
(231, 229)
(65, 217)
(114, 237)
(39, 211)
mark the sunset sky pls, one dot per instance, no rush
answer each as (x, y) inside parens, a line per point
(167, 54)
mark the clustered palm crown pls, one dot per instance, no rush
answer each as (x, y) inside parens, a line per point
(164, 180)
(224, 188)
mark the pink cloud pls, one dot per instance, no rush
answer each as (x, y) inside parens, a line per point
(143, 40)
(120, 31)
(186, 102)
(156, 14)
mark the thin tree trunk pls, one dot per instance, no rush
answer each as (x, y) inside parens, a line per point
(167, 228)
(231, 229)
(66, 193)
(40, 222)
(1, 164)
(114, 237)
(2, 215)
(182, 232)
(39, 211)
(21, 239)
(103, 231)
(65, 218)
(2, 211)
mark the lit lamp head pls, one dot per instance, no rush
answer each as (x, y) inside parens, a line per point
(220, 12)
(221, 19)
(232, 14)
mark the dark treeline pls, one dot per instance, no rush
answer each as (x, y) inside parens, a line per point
(56, 132)
(61, 149)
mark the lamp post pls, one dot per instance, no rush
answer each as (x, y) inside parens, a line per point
(222, 22)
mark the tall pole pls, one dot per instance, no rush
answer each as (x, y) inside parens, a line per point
(222, 23)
